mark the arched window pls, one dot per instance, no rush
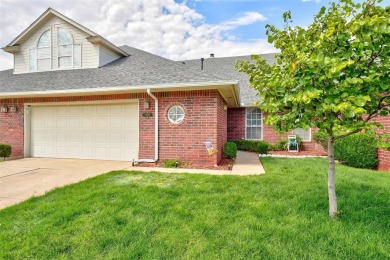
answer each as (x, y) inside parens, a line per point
(40, 58)
(69, 54)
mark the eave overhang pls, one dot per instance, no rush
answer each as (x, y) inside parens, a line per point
(227, 89)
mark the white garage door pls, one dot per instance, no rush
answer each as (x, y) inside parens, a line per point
(106, 132)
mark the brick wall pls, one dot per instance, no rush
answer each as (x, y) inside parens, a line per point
(205, 120)
(236, 123)
(185, 141)
(383, 155)
(236, 130)
(11, 129)
(222, 126)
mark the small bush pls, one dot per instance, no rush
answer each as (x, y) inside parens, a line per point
(171, 163)
(252, 146)
(322, 139)
(230, 150)
(5, 150)
(357, 150)
(281, 145)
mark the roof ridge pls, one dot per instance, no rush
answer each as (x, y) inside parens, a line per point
(230, 56)
(176, 64)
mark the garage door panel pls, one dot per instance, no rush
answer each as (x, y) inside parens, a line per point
(85, 131)
(62, 122)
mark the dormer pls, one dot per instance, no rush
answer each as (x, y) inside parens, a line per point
(55, 42)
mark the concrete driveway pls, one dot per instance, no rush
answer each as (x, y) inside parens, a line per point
(22, 179)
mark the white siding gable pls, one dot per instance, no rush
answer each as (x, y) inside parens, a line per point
(89, 52)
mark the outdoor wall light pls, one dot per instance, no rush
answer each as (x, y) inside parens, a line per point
(13, 109)
(3, 109)
(146, 104)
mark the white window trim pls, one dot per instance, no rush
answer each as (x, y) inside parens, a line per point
(58, 56)
(50, 58)
(246, 124)
(170, 120)
(36, 52)
(310, 135)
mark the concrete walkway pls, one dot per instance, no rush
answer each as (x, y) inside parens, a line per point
(247, 163)
(25, 178)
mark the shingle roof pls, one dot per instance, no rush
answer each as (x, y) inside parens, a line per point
(225, 67)
(139, 69)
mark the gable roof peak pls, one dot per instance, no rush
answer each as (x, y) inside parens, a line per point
(12, 46)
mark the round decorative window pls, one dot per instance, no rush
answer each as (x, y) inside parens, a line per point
(176, 114)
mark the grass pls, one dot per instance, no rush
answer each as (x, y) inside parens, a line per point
(280, 215)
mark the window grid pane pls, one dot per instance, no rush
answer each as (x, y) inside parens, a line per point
(43, 53)
(176, 114)
(44, 64)
(77, 55)
(302, 133)
(253, 123)
(33, 60)
(45, 39)
(65, 50)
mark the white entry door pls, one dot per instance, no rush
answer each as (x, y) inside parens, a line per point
(105, 132)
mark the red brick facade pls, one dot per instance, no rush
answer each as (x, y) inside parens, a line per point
(383, 155)
(236, 123)
(236, 130)
(205, 120)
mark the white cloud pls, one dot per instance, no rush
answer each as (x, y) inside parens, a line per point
(167, 28)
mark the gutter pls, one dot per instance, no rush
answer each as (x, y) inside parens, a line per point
(114, 89)
(155, 129)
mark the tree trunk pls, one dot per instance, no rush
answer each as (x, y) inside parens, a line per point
(331, 179)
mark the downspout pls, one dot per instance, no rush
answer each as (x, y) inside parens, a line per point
(155, 129)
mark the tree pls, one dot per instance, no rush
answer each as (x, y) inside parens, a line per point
(332, 75)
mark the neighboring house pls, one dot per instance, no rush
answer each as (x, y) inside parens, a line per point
(73, 94)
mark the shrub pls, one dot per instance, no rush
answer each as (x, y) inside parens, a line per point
(5, 150)
(322, 139)
(230, 150)
(172, 163)
(357, 150)
(252, 146)
(281, 145)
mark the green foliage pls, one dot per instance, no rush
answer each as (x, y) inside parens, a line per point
(357, 150)
(138, 215)
(281, 145)
(5, 150)
(321, 138)
(330, 74)
(230, 150)
(172, 163)
(252, 146)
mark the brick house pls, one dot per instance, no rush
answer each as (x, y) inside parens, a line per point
(74, 94)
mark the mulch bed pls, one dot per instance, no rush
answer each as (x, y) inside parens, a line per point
(224, 164)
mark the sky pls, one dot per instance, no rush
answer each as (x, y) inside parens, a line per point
(175, 29)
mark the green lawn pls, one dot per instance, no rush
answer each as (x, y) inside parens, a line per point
(280, 215)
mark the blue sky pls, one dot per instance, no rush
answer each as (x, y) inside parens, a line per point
(175, 29)
(217, 11)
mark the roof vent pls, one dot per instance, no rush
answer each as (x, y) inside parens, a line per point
(211, 55)
(201, 63)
